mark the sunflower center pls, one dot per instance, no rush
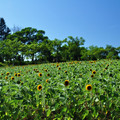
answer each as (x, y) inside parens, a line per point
(89, 87)
(66, 83)
(40, 87)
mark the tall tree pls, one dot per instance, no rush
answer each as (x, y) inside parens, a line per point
(91, 52)
(32, 49)
(4, 30)
(64, 53)
(57, 46)
(84, 54)
(100, 53)
(74, 47)
(112, 52)
(28, 35)
(9, 49)
(46, 50)
(31, 37)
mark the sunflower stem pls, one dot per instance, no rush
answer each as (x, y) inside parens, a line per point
(43, 100)
(66, 100)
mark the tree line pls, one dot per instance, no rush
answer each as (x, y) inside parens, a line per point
(32, 45)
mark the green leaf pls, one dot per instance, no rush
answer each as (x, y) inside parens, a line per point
(57, 106)
(85, 114)
(64, 109)
(80, 102)
(48, 112)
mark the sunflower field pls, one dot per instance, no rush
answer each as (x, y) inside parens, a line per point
(77, 90)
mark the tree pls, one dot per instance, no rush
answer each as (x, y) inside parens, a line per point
(30, 37)
(100, 53)
(91, 52)
(74, 49)
(57, 47)
(4, 30)
(118, 50)
(64, 53)
(32, 49)
(46, 50)
(84, 53)
(112, 52)
(9, 49)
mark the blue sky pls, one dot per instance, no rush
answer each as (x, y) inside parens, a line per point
(97, 21)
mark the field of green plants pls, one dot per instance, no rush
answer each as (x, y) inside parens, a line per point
(77, 90)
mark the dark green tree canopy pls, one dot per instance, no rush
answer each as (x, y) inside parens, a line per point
(28, 35)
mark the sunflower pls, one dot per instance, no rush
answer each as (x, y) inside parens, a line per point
(21, 83)
(90, 69)
(92, 76)
(1, 73)
(39, 87)
(93, 72)
(15, 74)
(7, 73)
(12, 78)
(48, 74)
(45, 70)
(40, 74)
(88, 87)
(18, 74)
(66, 83)
(47, 80)
(59, 68)
(6, 77)
(37, 71)
(106, 68)
(57, 65)
(65, 71)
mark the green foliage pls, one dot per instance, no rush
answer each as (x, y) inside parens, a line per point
(74, 49)
(29, 35)
(57, 49)
(9, 49)
(31, 44)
